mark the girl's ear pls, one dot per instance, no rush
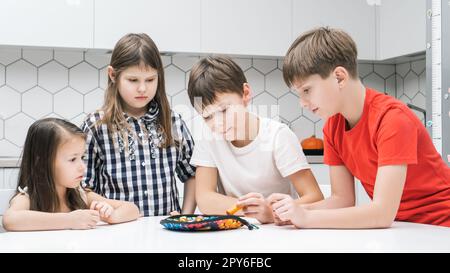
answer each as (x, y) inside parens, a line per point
(111, 73)
(247, 95)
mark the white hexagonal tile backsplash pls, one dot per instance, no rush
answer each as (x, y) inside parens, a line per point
(70, 83)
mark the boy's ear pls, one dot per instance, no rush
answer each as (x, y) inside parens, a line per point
(111, 73)
(247, 95)
(341, 75)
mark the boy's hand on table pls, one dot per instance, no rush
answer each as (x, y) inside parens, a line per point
(255, 205)
(286, 209)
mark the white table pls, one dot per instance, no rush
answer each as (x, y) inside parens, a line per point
(147, 235)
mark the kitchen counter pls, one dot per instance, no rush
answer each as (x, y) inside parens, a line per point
(147, 235)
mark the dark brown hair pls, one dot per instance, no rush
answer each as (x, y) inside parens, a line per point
(135, 49)
(37, 168)
(213, 75)
(320, 51)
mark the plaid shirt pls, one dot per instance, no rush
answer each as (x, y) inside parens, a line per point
(139, 172)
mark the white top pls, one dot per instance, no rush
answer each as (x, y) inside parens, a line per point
(261, 166)
(147, 235)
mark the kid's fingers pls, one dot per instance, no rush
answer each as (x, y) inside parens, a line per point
(108, 212)
(279, 204)
(275, 197)
(251, 195)
(253, 201)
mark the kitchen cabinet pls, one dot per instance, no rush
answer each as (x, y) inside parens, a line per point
(250, 27)
(52, 23)
(402, 28)
(174, 25)
(356, 17)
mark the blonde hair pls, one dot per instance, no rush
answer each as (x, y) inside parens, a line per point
(136, 50)
(320, 51)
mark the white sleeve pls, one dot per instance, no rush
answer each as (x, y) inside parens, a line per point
(288, 154)
(201, 156)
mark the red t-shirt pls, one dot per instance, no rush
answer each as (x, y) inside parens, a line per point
(389, 133)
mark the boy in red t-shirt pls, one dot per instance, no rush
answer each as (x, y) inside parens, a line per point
(367, 135)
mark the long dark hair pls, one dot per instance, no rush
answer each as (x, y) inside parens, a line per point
(135, 49)
(37, 167)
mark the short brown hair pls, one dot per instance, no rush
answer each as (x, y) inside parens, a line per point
(320, 51)
(212, 75)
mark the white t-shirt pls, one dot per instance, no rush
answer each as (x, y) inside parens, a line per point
(262, 166)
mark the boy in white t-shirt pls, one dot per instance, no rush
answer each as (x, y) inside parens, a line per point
(252, 156)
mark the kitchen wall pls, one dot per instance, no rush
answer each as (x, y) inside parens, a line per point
(37, 83)
(70, 84)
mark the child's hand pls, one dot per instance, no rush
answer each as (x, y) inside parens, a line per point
(278, 221)
(285, 208)
(105, 210)
(173, 213)
(83, 219)
(254, 205)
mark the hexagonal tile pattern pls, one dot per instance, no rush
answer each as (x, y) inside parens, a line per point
(93, 100)
(310, 115)
(9, 149)
(419, 100)
(8, 56)
(2, 75)
(68, 58)
(185, 63)
(53, 76)
(423, 83)
(182, 105)
(264, 66)
(390, 86)
(175, 80)
(275, 83)
(78, 120)
(9, 102)
(403, 69)
(16, 128)
(318, 128)
(22, 69)
(418, 66)
(166, 60)
(256, 81)
(68, 103)
(280, 64)
(399, 85)
(244, 63)
(83, 77)
(303, 128)
(21, 75)
(37, 56)
(404, 99)
(384, 70)
(374, 81)
(103, 75)
(365, 69)
(98, 60)
(290, 108)
(37, 102)
(265, 105)
(411, 85)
